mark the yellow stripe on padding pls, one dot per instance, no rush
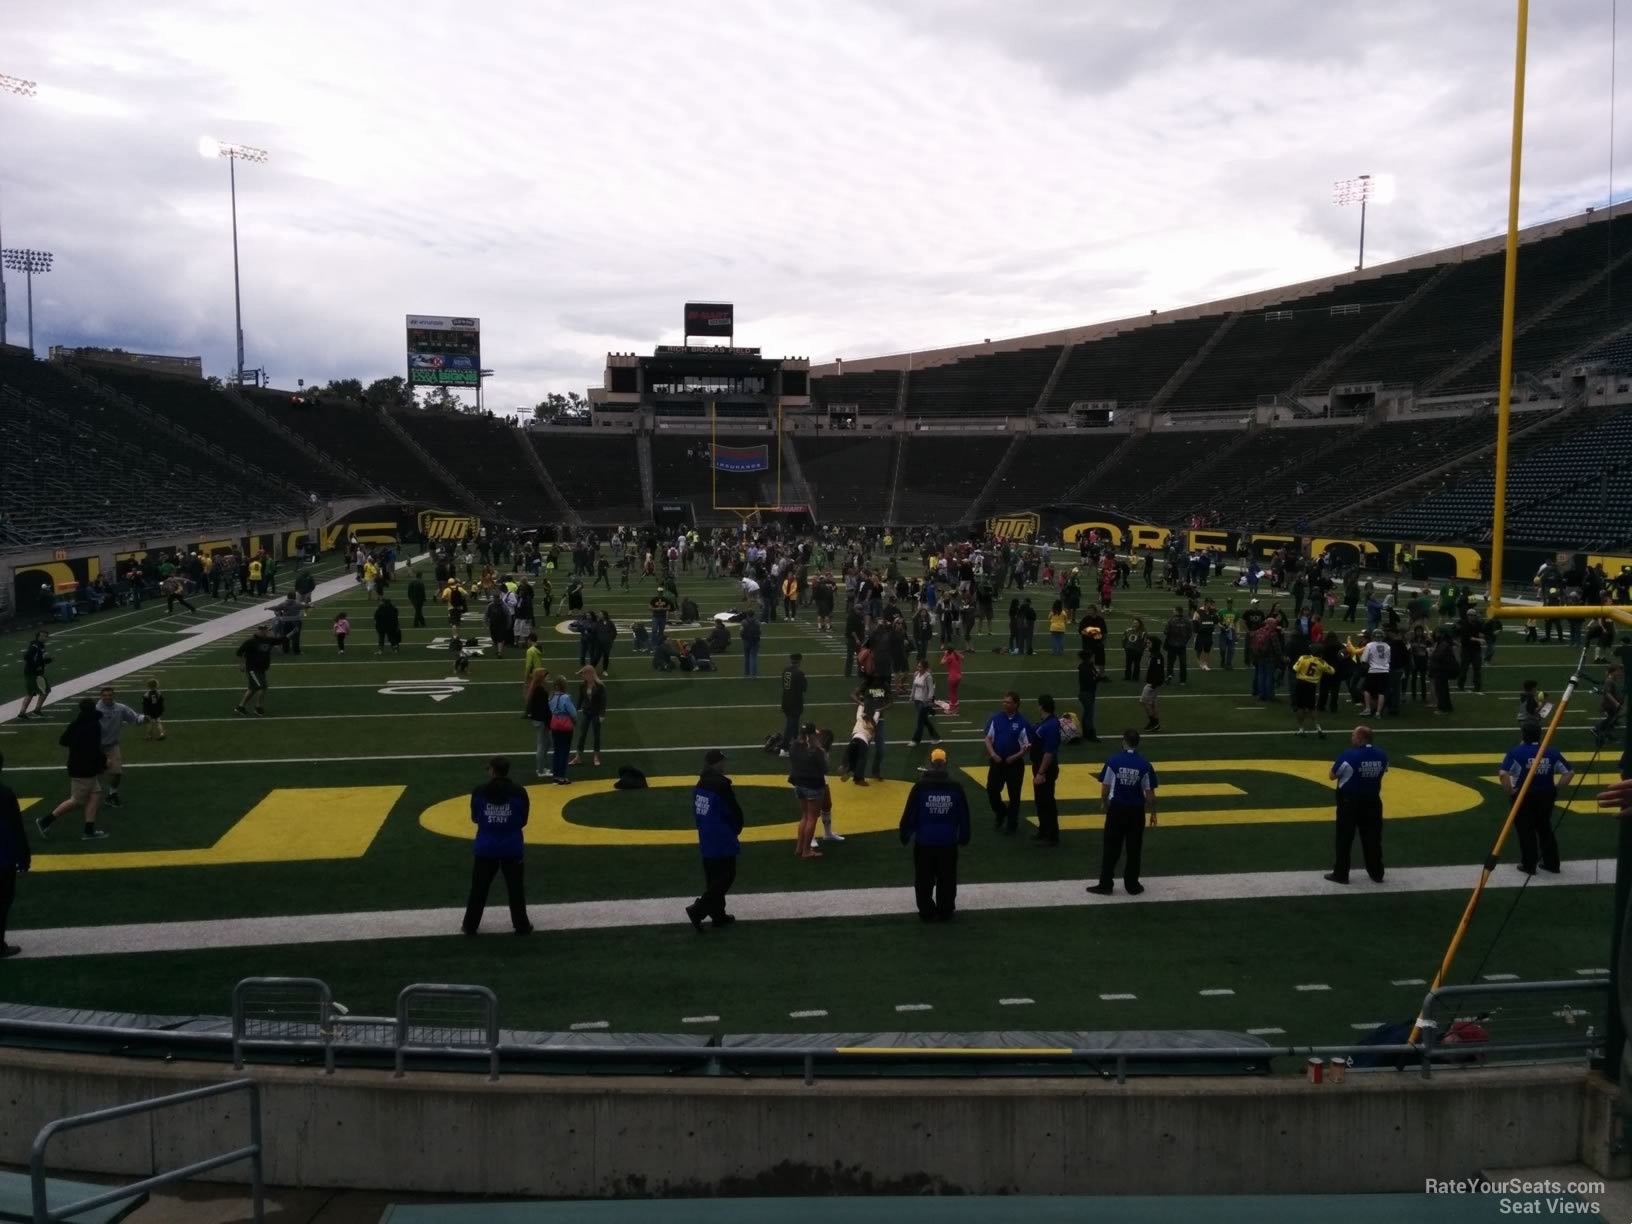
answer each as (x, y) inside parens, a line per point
(1020, 1052)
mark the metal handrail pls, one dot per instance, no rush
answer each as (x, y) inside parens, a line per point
(45, 1214)
(441, 990)
(323, 997)
(1424, 1054)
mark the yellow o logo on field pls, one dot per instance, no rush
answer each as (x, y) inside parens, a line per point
(871, 809)
(1407, 794)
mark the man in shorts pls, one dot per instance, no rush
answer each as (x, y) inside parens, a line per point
(255, 657)
(1375, 658)
(36, 687)
(114, 717)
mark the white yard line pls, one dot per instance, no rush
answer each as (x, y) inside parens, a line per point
(241, 621)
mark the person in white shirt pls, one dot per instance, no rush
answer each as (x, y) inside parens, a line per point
(750, 589)
(1375, 658)
(923, 700)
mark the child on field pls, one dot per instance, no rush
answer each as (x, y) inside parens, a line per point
(461, 656)
(952, 660)
(153, 711)
(342, 630)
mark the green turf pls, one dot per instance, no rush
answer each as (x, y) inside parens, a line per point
(331, 726)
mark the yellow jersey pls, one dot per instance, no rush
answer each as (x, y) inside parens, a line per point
(1310, 668)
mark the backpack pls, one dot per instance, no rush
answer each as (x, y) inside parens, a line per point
(773, 744)
(688, 610)
(643, 643)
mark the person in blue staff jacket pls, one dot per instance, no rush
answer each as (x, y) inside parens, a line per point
(718, 814)
(1128, 788)
(1537, 841)
(1359, 777)
(936, 822)
(498, 809)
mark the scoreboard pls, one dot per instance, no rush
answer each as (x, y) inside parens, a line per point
(444, 351)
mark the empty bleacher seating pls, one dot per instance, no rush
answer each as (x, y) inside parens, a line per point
(869, 394)
(1048, 466)
(1556, 481)
(598, 475)
(942, 476)
(1130, 366)
(211, 415)
(994, 384)
(484, 454)
(74, 467)
(354, 435)
(1266, 351)
(849, 474)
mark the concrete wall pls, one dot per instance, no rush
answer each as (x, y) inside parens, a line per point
(580, 1136)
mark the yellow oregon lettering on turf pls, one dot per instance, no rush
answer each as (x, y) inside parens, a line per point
(291, 825)
(855, 810)
(1407, 793)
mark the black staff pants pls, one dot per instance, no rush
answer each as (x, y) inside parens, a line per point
(935, 880)
(481, 879)
(718, 876)
(1001, 777)
(1362, 814)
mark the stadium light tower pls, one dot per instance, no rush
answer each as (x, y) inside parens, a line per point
(27, 262)
(234, 153)
(23, 89)
(1361, 190)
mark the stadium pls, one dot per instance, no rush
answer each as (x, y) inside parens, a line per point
(258, 892)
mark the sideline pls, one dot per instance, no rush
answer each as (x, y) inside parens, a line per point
(241, 621)
(288, 930)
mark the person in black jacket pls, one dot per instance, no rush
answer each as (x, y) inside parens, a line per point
(591, 709)
(15, 858)
(794, 686)
(936, 821)
(807, 771)
(388, 626)
(86, 760)
(36, 687)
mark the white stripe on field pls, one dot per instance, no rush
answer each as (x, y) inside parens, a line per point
(1313, 986)
(1219, 990)
(1410, 981)
(770, 906)
(1265, 1032)
(914, 1007)
(810, 1014)
(699, 1019)
(1113, 998)
(1015, 1002)
(585, 1025)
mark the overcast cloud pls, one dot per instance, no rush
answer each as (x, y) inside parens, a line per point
(858, 176)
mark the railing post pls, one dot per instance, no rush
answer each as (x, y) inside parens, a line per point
(257, 1184)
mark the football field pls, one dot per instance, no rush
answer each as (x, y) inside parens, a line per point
(331, 838)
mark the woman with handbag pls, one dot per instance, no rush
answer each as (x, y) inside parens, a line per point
(563, 718)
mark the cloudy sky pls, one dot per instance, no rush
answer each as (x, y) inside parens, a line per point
(858, 176)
